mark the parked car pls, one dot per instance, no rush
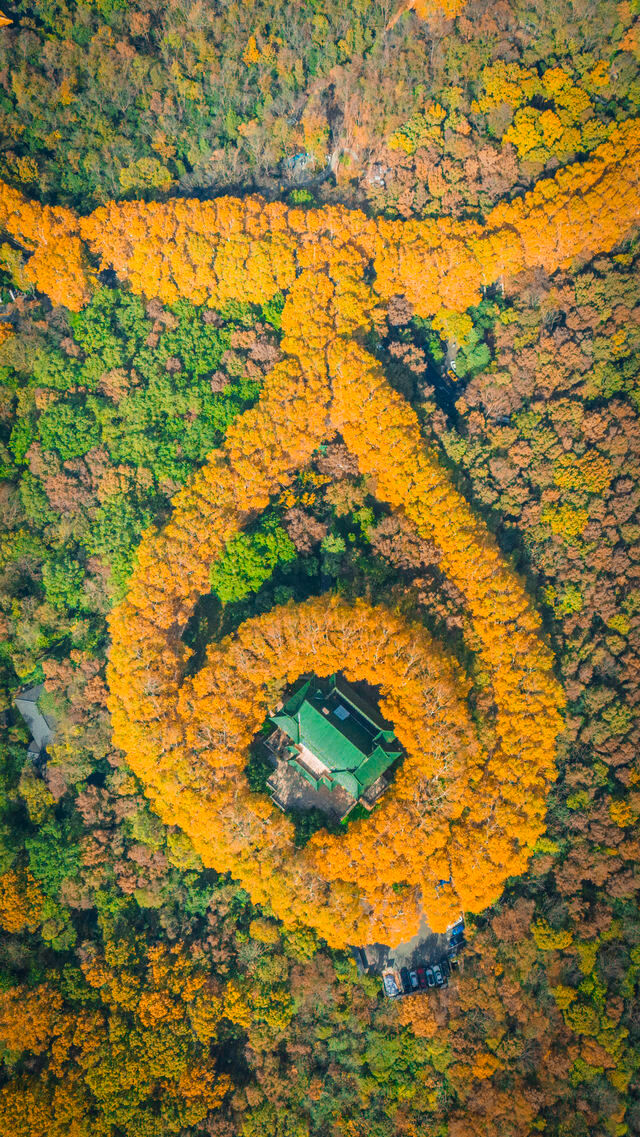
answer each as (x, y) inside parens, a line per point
(362, 963)
(457, 934)
(391, 988)
(406, 982)
(438, 976)
(445, 966)
(415, 982)
(422, 978)
(431, 981)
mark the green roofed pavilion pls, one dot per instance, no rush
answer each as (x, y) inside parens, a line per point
(335, 737)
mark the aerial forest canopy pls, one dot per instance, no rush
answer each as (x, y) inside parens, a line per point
(319, 354)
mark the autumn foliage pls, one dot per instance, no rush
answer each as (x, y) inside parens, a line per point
(168, 731)
(248, 249)
(468, 804)
(57, 262)
(142, 1041)
(427, 9)
(21, 901)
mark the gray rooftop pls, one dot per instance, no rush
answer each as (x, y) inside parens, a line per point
(42, 726)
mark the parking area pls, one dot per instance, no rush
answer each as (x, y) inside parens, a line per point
(427, 963)
(424, 962)
(424, 945)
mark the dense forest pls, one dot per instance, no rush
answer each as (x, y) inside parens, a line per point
(319, 351)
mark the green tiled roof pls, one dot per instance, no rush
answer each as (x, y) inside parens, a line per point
(348, 737)
(348, 782)
(321, 736)
(374, 766)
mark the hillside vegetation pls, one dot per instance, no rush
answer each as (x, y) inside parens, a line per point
(319, 343)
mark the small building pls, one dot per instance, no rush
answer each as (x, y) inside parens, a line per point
(42, 726)
(336, 741)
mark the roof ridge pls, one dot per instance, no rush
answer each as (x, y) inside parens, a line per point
(327, 722)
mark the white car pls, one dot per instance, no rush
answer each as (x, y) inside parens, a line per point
(390, 986)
